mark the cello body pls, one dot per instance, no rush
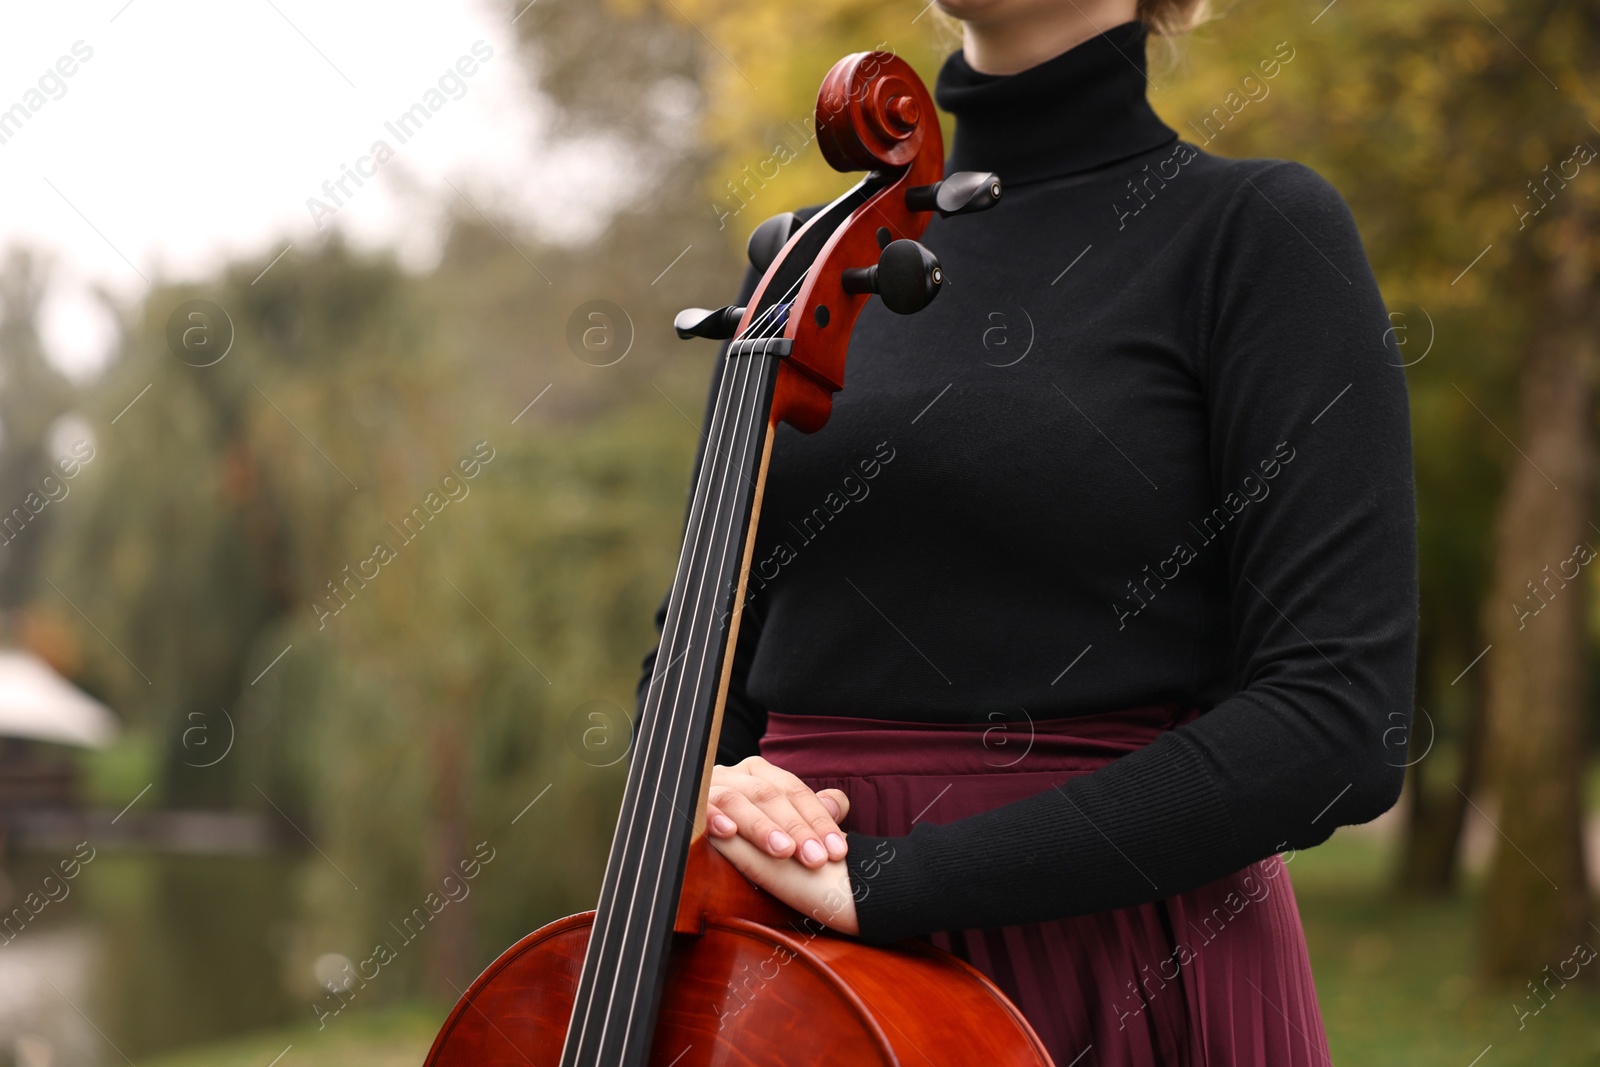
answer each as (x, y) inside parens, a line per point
(767, 990)
(684, 963)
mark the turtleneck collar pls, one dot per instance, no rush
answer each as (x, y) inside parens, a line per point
(1081, 110)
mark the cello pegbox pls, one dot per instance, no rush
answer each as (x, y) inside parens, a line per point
(873, 114)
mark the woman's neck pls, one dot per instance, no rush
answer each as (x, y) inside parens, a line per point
(1072, 112)
(1023, 35)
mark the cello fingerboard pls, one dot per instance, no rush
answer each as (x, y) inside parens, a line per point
(613, 1016)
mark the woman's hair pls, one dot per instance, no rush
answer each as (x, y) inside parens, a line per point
(1170, 18)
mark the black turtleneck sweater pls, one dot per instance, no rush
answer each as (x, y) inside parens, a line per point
(1150, 444)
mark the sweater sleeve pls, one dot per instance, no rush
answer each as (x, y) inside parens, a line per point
(1302, 384)
(743, 720)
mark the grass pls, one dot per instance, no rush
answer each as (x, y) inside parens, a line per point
(394, 1038)
(1394, 980)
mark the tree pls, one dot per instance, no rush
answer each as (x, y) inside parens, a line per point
(33, 396)
(1537, 903)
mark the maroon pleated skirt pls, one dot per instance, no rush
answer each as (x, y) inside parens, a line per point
(1215, 976)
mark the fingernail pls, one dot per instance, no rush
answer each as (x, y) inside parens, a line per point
(778, 841)
(836, 845)
(812, 852)
(722, 824)
(832, 806)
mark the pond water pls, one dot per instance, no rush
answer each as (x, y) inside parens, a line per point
(139, 953)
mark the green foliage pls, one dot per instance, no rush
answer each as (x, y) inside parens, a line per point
(396, 1038)
(397, 704)
(535, 600)
(112, 776)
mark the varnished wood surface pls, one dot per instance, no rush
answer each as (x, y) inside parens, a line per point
(744, 994)
(713, 887)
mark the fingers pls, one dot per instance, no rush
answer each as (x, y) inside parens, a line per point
(838, 806)
(824, 842)
(836, 802)
(777, 812)
(743, 855)
(752, 820)
(718, 823)
(822, 893)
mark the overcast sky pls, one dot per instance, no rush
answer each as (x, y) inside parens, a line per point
(187, 132)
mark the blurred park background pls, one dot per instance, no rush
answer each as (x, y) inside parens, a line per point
(193, 505)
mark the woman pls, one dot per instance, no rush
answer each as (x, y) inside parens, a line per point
(1098, 591)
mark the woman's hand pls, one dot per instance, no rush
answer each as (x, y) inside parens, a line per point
(776, 813)
(822, 893)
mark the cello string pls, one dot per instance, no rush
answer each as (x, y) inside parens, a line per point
(642, 832)
(717, 433)
(621, 903)
(714, 476)
(670, 641)
(722, 412)
(750, 434)
(729, 555)
(766, 325)
(719, 482)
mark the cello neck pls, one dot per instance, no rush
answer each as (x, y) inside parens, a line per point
(784, 364)
(662, 810)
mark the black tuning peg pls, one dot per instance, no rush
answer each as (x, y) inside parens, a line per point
(907, 277)
(961, 193)
(718, 325)
(768, 239)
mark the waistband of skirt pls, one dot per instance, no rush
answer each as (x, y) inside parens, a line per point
(837, 746)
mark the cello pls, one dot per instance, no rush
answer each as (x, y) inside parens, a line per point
(684, 963)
